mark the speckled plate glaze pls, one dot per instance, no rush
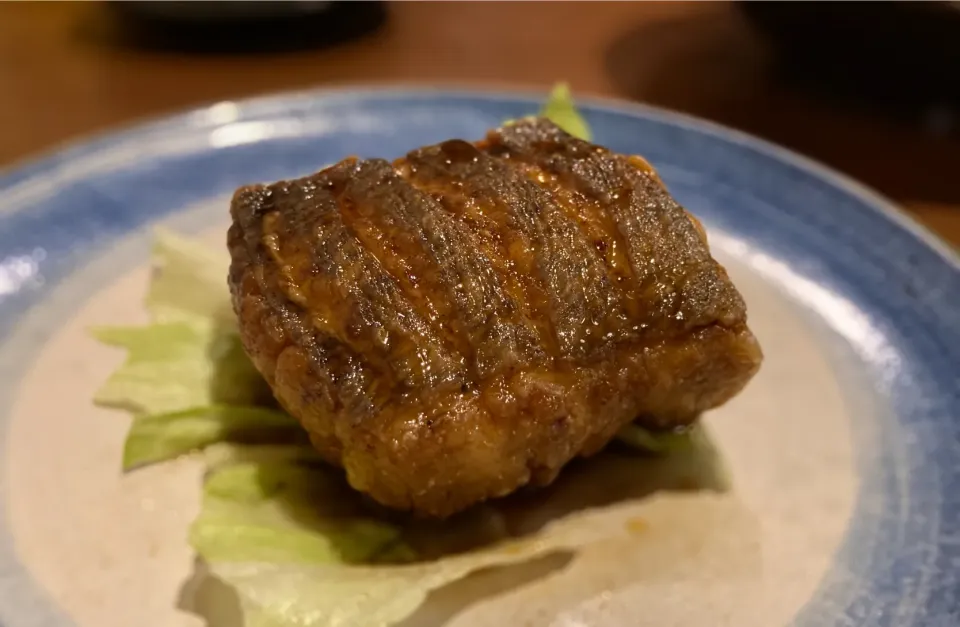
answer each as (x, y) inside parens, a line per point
(844, 453)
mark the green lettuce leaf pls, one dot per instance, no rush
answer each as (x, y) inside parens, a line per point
(561, 110)
(300, 548)
(276, 595)
(225, 453)
(189, 282)
(186, 379)
(176, 366)
(282, 512)
(656, 442)
(158, 437)
(190, 355)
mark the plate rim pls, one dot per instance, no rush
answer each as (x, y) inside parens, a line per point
(26, 171)
(306, 103)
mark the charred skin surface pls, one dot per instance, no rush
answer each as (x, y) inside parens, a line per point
(465, 321)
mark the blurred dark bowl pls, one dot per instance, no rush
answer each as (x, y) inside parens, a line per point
(903, 52)
(256, 26)
(203, 11)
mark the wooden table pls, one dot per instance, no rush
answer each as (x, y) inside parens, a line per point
(60, 78)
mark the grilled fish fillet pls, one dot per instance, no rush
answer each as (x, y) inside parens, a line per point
(466, 320)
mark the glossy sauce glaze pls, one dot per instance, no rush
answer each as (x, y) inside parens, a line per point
(467, 319)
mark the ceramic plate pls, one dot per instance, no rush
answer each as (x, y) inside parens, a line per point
(843, 453)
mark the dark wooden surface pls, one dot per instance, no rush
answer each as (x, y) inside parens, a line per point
(63, 75)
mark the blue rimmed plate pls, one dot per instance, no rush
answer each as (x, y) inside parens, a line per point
(844, 453)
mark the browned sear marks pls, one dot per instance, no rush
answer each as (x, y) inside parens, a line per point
(466, 320)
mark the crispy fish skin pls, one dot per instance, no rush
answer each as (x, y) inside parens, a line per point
(466, 320)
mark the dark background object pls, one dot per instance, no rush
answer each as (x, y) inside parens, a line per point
(216, 27)
(63, 75)
(901, 56)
